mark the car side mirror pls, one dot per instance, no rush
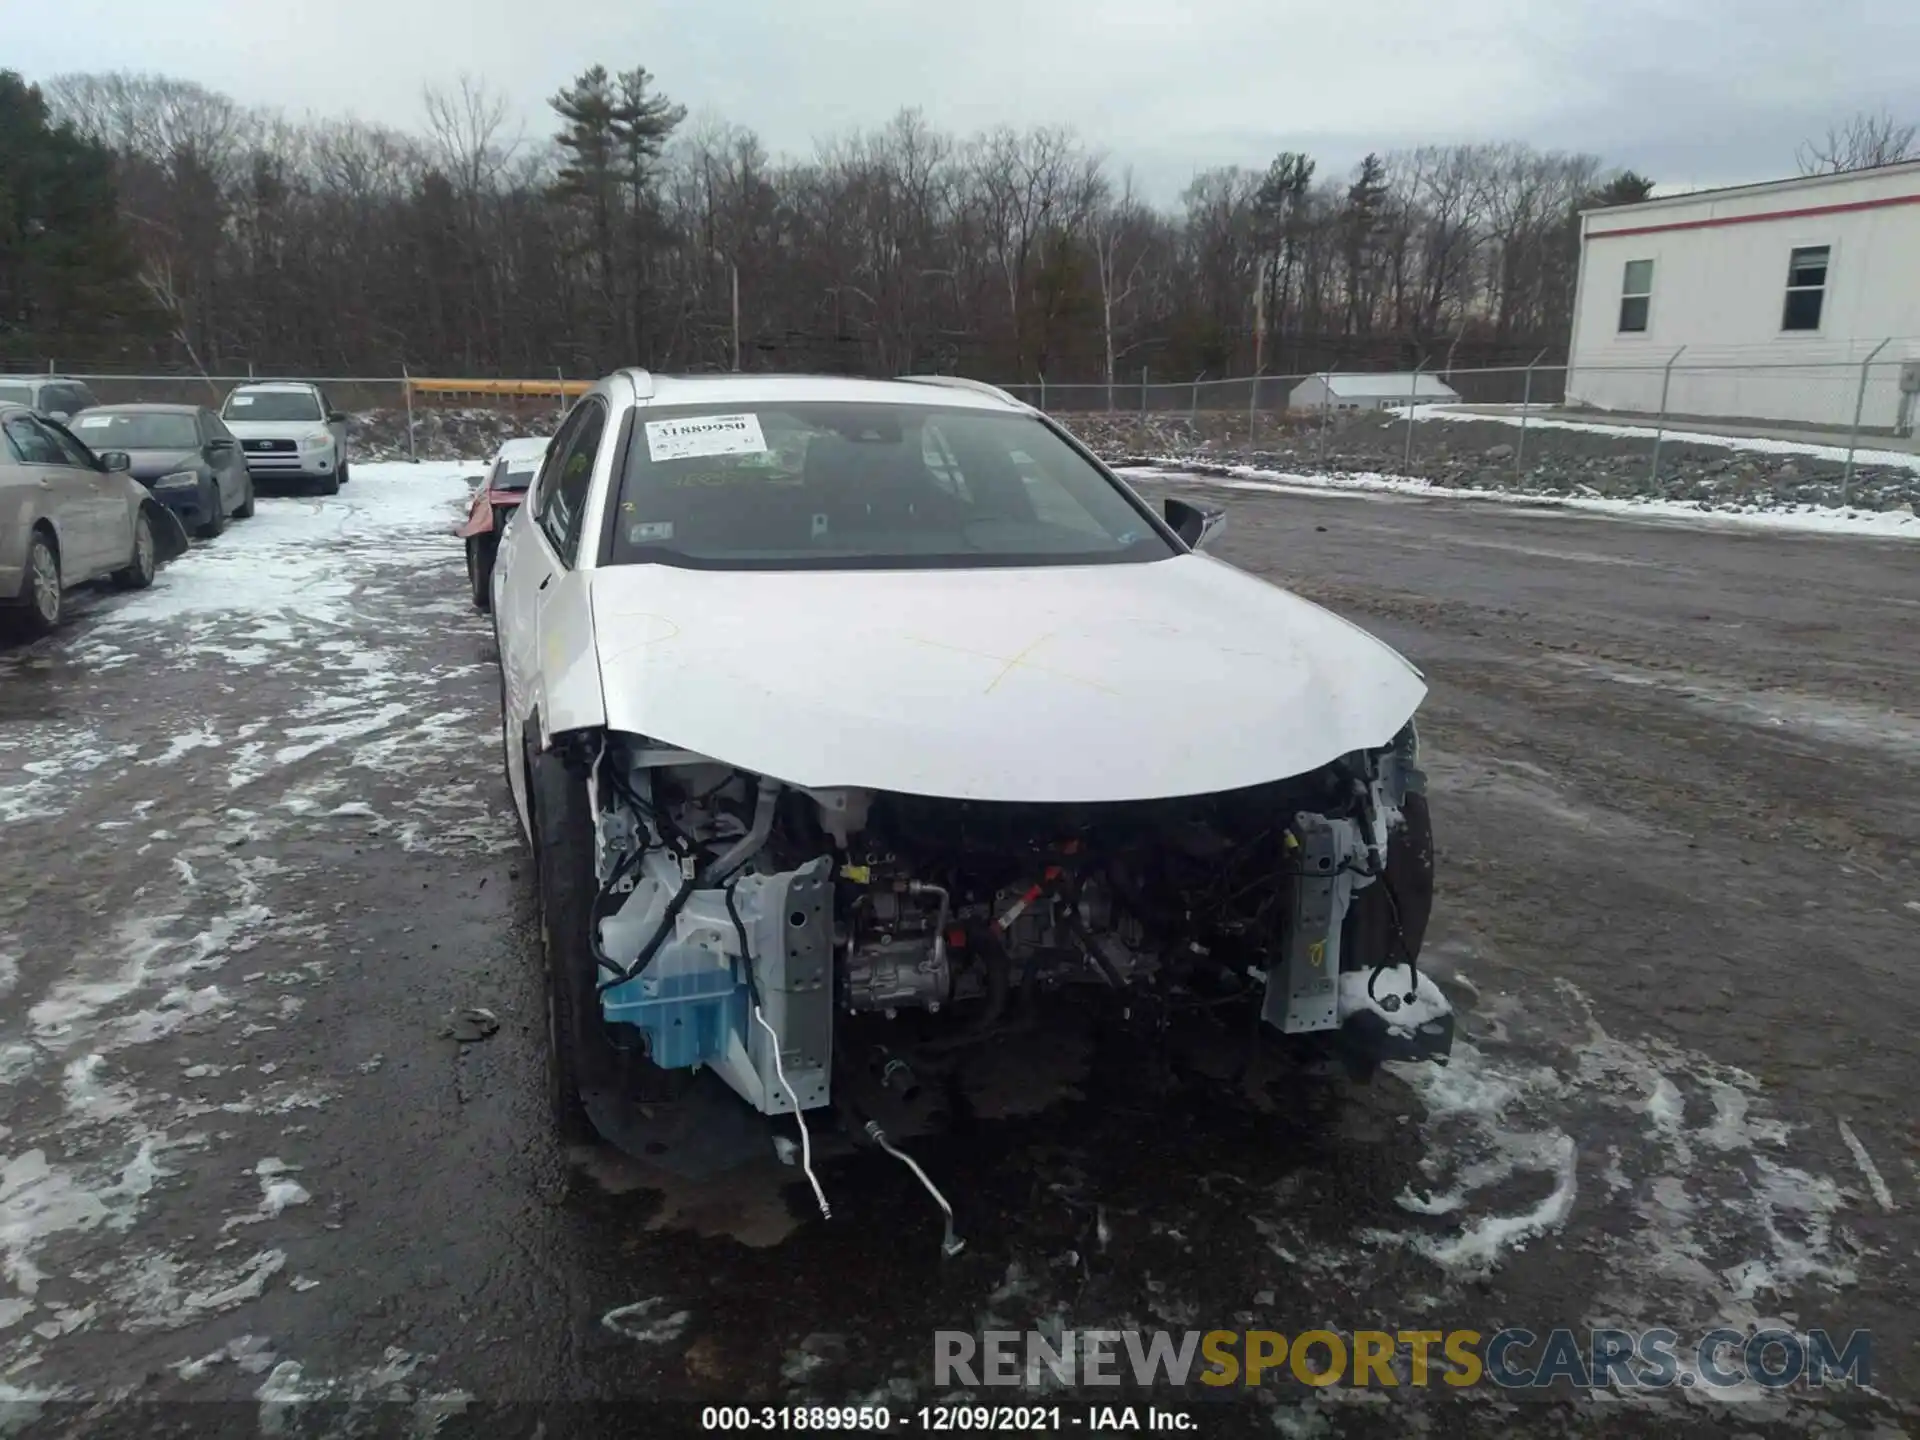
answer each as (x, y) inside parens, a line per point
(61, 415)
(115, 460)
(336, 417)
(474, 482)
(1198, 525)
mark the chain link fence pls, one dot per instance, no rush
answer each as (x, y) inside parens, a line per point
(1503, 424)
(1425, 423)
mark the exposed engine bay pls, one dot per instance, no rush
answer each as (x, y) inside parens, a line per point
(759, 929)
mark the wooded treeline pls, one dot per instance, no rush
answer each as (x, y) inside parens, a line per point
(472, 248)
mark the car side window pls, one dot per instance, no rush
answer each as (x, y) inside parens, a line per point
(32, 442)
(71, 450)
(564, 482)
(542, 488)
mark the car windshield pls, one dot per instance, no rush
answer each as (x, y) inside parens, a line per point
(16, 395)
(271, 405)
(515, 474)
(105, 430)
(818, 486)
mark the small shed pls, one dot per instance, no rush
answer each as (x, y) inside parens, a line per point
(1374, 391)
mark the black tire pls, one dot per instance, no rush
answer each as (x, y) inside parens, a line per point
(480, 571)
(216, 525)
(244, 510)
(586, 1071)
(563, 893)
(137, 573)
(329, 485)
(342, 473)
(42, 596)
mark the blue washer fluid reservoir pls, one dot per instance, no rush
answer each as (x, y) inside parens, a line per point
(688, 1002)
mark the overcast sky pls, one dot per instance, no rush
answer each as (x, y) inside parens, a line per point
(1691, 92)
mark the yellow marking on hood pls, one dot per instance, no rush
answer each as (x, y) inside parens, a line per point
(1018, 661)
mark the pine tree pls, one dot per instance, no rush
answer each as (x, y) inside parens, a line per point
(68, 279)
(1281, 205)
(613, 136)
(1359, 232)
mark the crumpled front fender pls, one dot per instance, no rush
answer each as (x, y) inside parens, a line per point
(479, 519)
(170, 539)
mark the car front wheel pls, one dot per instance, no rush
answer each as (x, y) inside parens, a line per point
(563, 892)
(480, 555)
(41, 586)
(137, 573)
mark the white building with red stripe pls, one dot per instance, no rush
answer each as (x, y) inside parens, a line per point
(1766, 300)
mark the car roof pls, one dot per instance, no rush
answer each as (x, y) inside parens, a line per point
(747, 389)
(146, 407)
(296, 385)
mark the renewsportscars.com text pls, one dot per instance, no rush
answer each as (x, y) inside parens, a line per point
(1512, 1359)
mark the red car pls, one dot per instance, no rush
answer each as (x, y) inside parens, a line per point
(495, 497)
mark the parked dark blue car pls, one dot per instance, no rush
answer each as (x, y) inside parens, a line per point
(182, 453)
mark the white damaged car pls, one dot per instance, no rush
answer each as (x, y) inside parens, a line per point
(847, 719)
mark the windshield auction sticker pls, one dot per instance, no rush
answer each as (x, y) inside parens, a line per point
(704, 435)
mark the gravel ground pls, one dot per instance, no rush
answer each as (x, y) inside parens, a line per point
(1480, 455)
(257, 1148)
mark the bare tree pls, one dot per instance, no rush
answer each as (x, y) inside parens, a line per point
(1868, 139)
(1120, 230)
(475, 247)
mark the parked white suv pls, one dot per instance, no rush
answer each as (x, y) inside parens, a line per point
(53, 396)
(289, 431)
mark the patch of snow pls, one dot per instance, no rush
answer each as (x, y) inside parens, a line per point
(1861, 726)
(201, 738)
(1474, 1094)
(39, 1200)
(634, 1323)
(277, 1192)
(91, 1100)
(1385, 993)
(250, 1283)
(147, 956)
(1876, 1182)
(288, 1387)
(250, 1354)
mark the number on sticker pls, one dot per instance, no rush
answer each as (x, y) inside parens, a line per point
(704, 435)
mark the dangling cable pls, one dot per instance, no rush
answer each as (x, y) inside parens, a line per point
(806, 1141)
(753, 989)
(952, 1244)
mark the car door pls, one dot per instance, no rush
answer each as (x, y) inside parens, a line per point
(109, 513)
(65, 494)
(223, 454)
(531, 555)
(338, 427)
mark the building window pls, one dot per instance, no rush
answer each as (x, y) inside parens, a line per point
(1636, 294)
(1806, 288)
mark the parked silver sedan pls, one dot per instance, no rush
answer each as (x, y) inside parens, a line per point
(67, 517)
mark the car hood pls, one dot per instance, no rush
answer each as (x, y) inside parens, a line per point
(1056, 684)
(152, 464)
(272, 429)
